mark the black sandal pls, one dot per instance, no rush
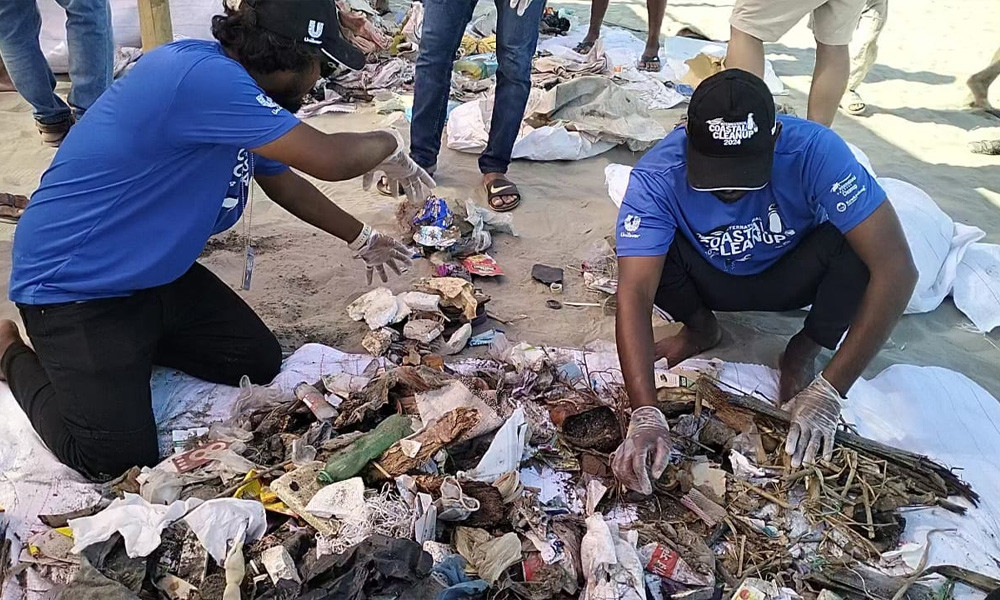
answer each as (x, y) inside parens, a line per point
(650, 64)
(499, 188)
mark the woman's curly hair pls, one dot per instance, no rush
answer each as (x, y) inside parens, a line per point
(256, 48)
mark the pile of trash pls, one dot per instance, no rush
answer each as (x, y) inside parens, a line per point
(490, 478)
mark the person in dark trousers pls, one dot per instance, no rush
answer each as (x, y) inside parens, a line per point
(517, 36)
(737, 211)
(104, 270)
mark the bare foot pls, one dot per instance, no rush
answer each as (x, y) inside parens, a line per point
(979, 95)
(9, 335)
(687, 343)
(797, 365)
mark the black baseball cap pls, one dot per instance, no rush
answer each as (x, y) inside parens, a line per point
(313, 22)
(730, 133)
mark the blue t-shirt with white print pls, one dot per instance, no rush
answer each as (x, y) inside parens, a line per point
(814, 178)
(158, 164)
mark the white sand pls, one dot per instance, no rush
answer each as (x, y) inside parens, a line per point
(916, 132)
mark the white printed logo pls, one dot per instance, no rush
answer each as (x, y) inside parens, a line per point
(848, 186)
(315, 31)
(732, 134)
(736, 242)
(265, 101)
(631, 226)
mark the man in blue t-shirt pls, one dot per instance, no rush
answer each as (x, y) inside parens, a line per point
(741, 211)
(104, 270)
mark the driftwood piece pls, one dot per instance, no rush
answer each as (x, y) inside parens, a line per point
(922, 470)
(432, 438)
(983, 583)
(860, 582)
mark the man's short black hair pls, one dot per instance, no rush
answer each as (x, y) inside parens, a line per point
(257, 49)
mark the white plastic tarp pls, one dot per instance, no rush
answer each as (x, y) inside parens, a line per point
(924, 409)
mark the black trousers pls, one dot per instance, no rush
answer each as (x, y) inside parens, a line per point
(86, 391)
(823, 270)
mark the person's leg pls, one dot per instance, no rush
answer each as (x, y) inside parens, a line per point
(822, 270)
(834, 23)
(20, 24)
(517, 37)
(86, 391)
(212, 334)
(866, 40)
(745, 52)
(444, 24)
(754, 22)
(654, 13)
(91, 50)
(678, 294)
(979, 85)
(6, 85)
(828, 83)
(598, 8)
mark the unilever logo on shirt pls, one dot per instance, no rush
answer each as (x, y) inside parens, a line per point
(631, 226)
(737, 241)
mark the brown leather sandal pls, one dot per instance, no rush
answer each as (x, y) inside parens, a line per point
(12, 207)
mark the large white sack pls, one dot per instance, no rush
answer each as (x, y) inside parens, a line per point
(190, 19)
(936, 242)
(977, 286)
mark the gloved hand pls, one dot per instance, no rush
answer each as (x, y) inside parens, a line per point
(380, 251)
(815, 412)
(401, 172)
(520, 6)
(645, 451)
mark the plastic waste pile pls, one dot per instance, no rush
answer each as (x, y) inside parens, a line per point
(489, 478)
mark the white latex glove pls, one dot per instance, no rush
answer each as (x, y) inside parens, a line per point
(401, 172)
(815, 413)
(380, 251)
(645, 451)
(520, 6)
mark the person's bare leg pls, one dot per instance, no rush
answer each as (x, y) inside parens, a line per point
(797, 366)
(6, 85)
(654, 10)
(700, 333)
(598, 8)
(9, 335)
(745, 52)
(833, 64)
(979, 84)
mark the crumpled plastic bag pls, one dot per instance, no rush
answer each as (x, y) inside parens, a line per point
(611, 564)
(488, 555)
(139, 523)
(504, 453)
(222, 522)
(454, 505)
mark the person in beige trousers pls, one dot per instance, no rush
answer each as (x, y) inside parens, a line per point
(833, 22)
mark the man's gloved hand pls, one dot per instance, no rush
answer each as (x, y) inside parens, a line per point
(380, 251)
(401, 172)
(645, 451)
(520, 6)
(815, 413)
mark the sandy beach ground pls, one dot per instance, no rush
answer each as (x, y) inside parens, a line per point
(916, 131)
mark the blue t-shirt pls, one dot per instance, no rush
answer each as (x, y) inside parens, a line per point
(815, 178)
(157, 165)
